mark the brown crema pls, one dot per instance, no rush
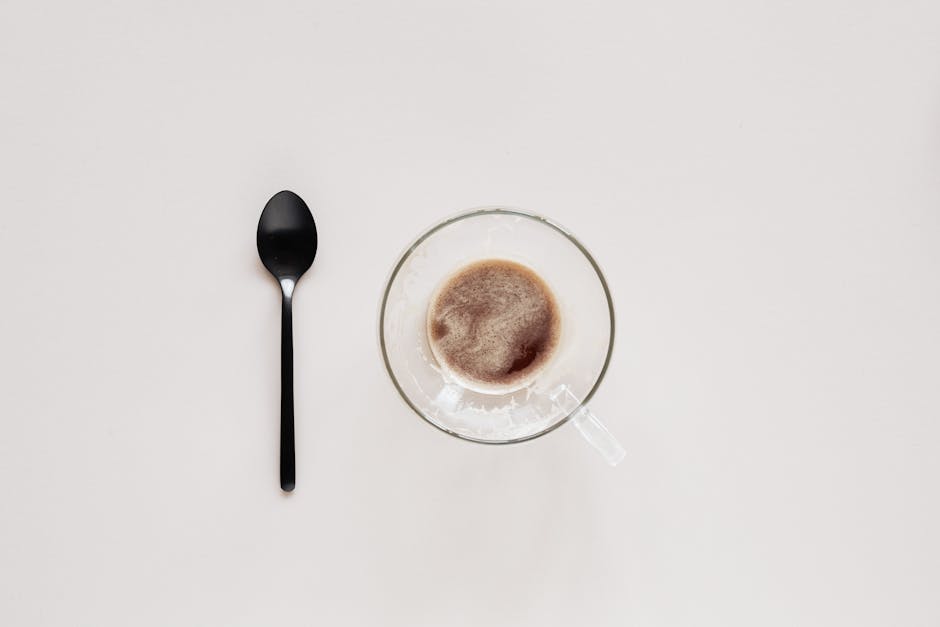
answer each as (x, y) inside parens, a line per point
(494, 322)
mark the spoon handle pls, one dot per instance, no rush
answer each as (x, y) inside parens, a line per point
(288, 470)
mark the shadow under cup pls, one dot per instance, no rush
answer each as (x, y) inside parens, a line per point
(560, 389)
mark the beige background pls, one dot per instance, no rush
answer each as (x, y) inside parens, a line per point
(759, 180)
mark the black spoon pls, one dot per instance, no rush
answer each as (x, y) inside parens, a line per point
(287, 244)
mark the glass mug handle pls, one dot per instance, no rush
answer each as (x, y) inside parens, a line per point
(588, 425)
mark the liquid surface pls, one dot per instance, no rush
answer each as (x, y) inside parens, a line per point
(494, 323)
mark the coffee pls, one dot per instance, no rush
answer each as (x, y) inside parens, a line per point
(494, 324)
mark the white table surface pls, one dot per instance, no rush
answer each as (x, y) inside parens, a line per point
(759, 180)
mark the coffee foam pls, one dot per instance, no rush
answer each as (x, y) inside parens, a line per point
(494, 324)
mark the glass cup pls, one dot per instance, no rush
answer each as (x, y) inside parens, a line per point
(561, 389)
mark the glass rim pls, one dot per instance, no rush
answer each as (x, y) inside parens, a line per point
(472, 213)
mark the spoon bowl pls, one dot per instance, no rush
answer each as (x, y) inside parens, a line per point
(287, 236)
